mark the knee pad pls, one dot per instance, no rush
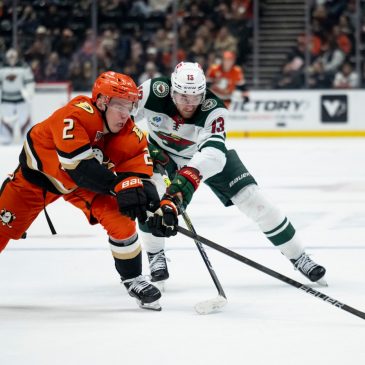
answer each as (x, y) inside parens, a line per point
(251, 201)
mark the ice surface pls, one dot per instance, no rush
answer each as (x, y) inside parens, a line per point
(61, 301)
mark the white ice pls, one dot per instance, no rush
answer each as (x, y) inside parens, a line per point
(61, 301)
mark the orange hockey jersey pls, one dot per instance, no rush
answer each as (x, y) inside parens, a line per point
(223, 83)
(74, 133)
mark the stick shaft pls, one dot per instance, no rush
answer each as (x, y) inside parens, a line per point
(200, 247)
(272, 273)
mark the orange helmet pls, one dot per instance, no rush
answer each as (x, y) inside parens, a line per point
(115, 85)
(229, 55)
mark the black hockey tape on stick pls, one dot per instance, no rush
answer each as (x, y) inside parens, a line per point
(272, 273)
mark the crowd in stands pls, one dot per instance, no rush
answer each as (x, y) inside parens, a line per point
(332, 49)
(134, 37)
(137, 38)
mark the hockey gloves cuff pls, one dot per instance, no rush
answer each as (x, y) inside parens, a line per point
(131, 198)
(184, 184)
(164, 222)
(158, 155)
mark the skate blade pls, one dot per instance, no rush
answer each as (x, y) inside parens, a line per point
(154, 306)
(322, 282)
(160, 285)
(211, 305)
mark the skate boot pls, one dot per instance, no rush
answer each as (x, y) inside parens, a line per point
(158, 266)
(146, 294)
(310, 269)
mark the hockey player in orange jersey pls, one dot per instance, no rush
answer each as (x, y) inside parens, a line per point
(91, 153)
(227, 79)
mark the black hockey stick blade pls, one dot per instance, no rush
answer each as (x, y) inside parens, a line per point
(272, 273)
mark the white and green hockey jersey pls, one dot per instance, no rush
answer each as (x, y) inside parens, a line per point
(197, 142)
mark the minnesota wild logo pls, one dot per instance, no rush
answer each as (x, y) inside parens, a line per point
(160, 89)
(174, 141)
(208, 104)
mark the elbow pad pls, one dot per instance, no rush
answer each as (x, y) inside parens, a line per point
(91, 175)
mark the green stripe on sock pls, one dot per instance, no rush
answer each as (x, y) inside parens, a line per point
(286, 235)
(278, 227)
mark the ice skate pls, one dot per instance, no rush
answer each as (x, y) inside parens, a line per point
(146, 294)
(310, 269)
(158, 268)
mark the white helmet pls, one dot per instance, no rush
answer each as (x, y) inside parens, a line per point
(188, 78)
(11, 56)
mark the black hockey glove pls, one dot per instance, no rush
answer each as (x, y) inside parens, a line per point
(131, 198)
(153, 199)
(164, 221)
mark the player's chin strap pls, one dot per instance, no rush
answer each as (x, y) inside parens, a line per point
(103, 113)
(207, 306)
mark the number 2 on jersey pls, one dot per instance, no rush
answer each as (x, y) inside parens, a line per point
(69, 126)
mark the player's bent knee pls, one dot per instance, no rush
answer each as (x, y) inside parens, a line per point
(256, 206)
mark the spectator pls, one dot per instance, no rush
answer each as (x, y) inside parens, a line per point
(149, 73)
(227, 80)
(330, 59)
(319, 78)
(41, 47)
(65, 46)
(56, 68)
(224, 41)
(346, 78)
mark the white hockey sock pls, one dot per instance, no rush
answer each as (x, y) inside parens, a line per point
(151, 243)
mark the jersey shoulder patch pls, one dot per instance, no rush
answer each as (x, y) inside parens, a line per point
(86, 106)
(160, 88)
(208, 104)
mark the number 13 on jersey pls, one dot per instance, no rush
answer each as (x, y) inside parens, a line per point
(218, 125)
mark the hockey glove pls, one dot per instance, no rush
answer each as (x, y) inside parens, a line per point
(131, 198)
(184, 184)
(158, 155)
(153, 199)
(164, 222)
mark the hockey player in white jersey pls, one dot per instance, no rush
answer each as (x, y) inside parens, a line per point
(186, 132)
(16, 92)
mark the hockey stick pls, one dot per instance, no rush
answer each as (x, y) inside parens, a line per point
(272, 273)
(220, 301)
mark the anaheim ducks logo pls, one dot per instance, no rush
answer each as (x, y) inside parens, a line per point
(86, 106)
(174, 141)
(160, 89)
(6, 217)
